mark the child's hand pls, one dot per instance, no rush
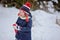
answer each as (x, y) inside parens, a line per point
(14, 24)
(15, 28)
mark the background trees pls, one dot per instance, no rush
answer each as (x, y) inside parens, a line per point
(35, 3)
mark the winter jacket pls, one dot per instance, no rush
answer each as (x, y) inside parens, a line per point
(26, 26)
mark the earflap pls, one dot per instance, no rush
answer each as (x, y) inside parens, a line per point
(27, 17)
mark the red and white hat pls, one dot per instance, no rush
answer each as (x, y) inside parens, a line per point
(26, 7)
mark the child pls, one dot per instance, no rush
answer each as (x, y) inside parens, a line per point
(24, 23)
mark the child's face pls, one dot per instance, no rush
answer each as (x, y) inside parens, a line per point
(22, 13)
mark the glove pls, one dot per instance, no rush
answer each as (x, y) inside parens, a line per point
(16, 28)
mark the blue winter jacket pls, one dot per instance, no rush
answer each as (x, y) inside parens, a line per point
(26, 26)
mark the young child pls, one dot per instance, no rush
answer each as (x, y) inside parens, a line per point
(24, 23)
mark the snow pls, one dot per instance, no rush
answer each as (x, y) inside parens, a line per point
(44, 24)
(7, 15)
(50, 7)
(45, 27)
(55, 1)
(57, 14)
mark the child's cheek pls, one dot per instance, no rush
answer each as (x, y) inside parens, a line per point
(18, 14)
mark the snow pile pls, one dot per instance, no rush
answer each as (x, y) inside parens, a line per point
(57, 14)
(43, 18)
(45, 27)
(58, 17)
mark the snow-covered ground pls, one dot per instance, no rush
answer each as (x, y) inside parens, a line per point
(45, 27)
(44, 24)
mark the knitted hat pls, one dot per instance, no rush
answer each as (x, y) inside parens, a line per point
(26, 7)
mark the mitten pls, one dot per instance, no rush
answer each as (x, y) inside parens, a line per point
(15, 28)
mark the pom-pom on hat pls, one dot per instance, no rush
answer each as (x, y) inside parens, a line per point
(28, 5)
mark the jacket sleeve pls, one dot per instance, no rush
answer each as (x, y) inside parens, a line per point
(17, 22)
